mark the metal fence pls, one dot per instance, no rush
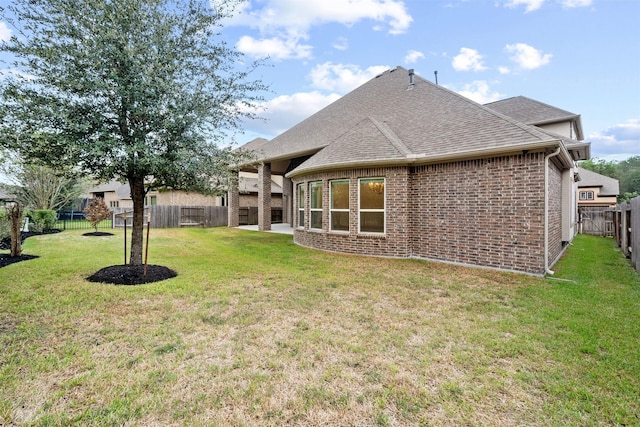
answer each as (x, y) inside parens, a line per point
(74, 220)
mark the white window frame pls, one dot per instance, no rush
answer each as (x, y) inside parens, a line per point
(332, 210)
(383, 210)
(300, 188)
(313, 184)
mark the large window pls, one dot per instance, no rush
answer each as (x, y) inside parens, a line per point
(339, 205)
(315, 205)
(371, 207)
(301, 205)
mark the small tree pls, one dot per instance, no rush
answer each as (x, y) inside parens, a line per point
(96, 212)
(15, 213)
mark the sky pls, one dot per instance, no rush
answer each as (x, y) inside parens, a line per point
(582, 56)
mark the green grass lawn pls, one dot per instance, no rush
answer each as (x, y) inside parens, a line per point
(257, 331)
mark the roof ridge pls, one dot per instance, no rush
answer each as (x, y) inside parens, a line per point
(391, 136)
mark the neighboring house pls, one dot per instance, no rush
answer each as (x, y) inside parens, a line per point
(6, 199)
(118, 195)
(402, 167)
(596, 190)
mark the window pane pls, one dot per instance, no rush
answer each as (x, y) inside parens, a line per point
(340, 194)
(316, 195)
(372, 193)
(340, 221)
(300, 196)
(316, 219)
(301, 218)
(372, 222)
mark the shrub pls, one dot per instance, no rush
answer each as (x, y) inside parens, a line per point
(42, 219)
(97, 211)
(4, 224)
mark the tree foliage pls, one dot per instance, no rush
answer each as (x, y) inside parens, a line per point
(97, 211)
(135, 90)
(38, 186)
(627, 172)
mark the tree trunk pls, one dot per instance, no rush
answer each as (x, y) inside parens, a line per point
(137, 196)
(15, 220)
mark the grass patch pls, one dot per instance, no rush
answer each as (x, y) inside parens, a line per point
(256, 330)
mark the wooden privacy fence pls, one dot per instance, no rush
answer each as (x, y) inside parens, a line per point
(175, 216)
(596, 220)
(626, 222)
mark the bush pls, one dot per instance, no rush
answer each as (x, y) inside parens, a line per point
(41, 220)
(4, 224)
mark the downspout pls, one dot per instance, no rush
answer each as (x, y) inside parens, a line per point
(546, 210)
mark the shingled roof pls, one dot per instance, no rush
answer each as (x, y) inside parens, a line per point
(608, 186)
(387, 121)
(535, 113)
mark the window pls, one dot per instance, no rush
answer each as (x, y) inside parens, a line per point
(371, 209)
(339, 205)
(586, 195)
(154, 200)
(301, 205)
(114, 204)
(315, 201)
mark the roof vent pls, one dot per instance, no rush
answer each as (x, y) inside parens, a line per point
(411, 81)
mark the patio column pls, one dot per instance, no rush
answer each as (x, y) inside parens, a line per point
(233, 201)
(287, 201)
(264, 197)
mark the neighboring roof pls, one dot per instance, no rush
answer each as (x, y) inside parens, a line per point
(6, 196)
(386, 121)
(123, 191)
(250, 185)
(608, 186)
(254, 144)
(536, 113)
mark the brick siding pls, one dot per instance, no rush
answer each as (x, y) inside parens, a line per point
(485, 212)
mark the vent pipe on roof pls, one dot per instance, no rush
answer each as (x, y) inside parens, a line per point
(411, 82)
(436, 74)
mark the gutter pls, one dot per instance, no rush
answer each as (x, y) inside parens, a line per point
(546, 209)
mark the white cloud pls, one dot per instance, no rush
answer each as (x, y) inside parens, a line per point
(299, 16)
(530, 5)
(575, 3)
(285, 111)
(284, 23)
(468, 60)
(622, 140)
(480, 92)
(5, 32)
(274, 48)
(504, 70)
(341, 44)
(413, 56)
(342, 77)
(527, 57)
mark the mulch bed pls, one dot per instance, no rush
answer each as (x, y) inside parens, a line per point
(132, 274)
(5, 244)
(98, 234)
(115, 274)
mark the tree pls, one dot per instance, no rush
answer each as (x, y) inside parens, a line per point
(627, 172)
(15, 213)
(96, 212)
(136, 90)
(38, 186)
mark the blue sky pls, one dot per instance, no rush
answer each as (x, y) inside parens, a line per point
(579, 55)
